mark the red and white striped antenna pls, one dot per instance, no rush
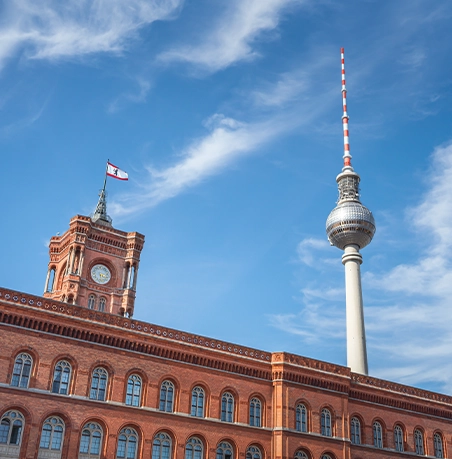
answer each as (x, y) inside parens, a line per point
(347, 156)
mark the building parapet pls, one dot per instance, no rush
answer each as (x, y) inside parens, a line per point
(369, 381)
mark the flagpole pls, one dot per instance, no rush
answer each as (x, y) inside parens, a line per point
(105, 179)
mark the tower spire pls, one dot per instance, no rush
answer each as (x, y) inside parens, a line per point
(347, 156)
(350, 227)
(100, 214)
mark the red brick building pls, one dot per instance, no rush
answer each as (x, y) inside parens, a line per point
(79, 378)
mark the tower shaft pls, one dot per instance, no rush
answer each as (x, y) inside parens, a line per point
(356, 334)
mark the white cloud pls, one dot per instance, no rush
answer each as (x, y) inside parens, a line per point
(288, 88)
(228, 140)
(231, 39)
(307, 250)
(22, 123)
(51, 29)
(413, 58)
(431, 274)
(312, 323)
(138, 97)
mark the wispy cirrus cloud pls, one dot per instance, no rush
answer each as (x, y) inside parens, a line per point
(22, 123)
(308, 251)
(233, 36)
(313, 323)
(51, 29)
(431, 219)
(227, 140)
(413, 57)
(289, 87)
(137, 97)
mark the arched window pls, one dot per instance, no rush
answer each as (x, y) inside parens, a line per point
(227, 407)
(99, 381)
(398, 438)
(378, 434)
(91, 441)
(301, 455)
(419, 442)
(127, 444)
(301, 418)
(52, 436)
(76, 261)
(255, 412)
(325, 423)
(355, 431)
(438, 445)
(161, 446)
(253, 452)
(133, 395)
(166, 396)
(326, 456)
(102, 303)
(22, 370)
(224, 451)
(11, 426)
(197, 402)
(194, 448)
(61, 377)
(91, 302)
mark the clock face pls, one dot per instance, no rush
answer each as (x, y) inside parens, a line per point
(100, 274)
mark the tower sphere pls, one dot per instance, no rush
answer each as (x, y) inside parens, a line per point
(350, 223)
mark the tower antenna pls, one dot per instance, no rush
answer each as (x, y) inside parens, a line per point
(347, 156)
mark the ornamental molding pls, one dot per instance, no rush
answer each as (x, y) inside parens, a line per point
(369, 381)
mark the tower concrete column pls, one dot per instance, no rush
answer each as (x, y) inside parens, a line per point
(356, 333)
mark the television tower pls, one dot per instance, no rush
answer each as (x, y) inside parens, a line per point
(350, 227)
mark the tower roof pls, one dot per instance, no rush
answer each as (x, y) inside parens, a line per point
(100, 214)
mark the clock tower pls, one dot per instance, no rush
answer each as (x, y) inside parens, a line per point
(95, 265)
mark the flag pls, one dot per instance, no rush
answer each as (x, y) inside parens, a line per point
(116, 172)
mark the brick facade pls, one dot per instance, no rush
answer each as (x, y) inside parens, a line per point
(51, 331)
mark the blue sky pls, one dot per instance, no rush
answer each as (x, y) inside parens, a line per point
(227, 116)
